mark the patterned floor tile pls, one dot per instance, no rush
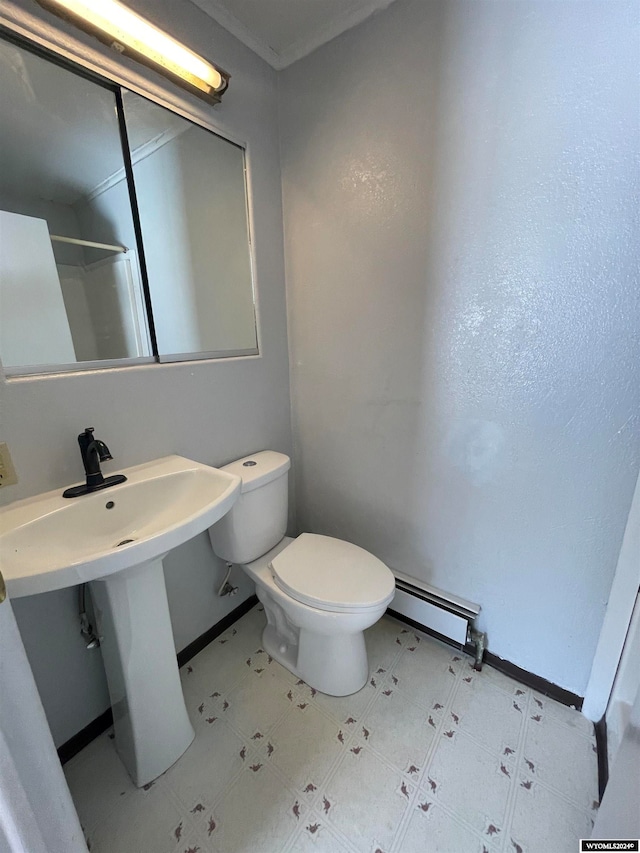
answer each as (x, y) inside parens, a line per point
(220, 665)
(429, 756)
(255, 814)
(543, 821)
(427, 672)
(552, 758)
(384, 642)
(406, 745)
(567, 716)
(191, 842)
(305, 745)
(246, 634)
(363, 786)
(252, 708)
(98, 781)
(432, 829)
(488, 715)
(145, 823)
(499, 679)
(316, 836)
(204, 770)
(260, 664)
(470, 781)
(341, 708)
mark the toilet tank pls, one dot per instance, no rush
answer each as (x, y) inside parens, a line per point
(258, 519)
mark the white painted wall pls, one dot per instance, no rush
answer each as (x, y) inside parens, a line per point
(460, 192)
(626, 688)
(213, 412)
(619, 812)
(607, 665)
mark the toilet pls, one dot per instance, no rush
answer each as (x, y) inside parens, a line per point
(319, 593)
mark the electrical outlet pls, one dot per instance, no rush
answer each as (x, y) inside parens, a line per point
(7, 471)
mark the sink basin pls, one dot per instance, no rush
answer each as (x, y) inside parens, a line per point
(116, 539)
(49, 542)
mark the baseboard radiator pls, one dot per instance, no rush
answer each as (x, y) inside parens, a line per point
(440, 613)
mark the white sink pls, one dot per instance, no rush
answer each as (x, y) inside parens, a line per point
(116, 539)
(49, 542)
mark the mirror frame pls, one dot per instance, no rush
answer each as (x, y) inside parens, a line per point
(113, 81)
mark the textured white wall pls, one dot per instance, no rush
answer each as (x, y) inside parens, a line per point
(460, 198)
(213, 412)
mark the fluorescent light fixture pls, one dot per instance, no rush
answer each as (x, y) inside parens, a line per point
(132, 35)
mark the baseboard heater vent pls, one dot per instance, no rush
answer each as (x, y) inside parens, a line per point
(447, 616)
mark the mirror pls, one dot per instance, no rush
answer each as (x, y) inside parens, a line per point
(88, 276)
(69, 293)
(190, 186)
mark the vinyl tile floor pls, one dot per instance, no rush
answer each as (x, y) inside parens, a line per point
(429, 756)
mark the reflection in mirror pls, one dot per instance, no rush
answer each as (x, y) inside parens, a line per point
(192, 201)
(70, 286)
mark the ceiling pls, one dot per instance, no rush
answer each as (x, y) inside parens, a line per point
(62, 136)
(283, 31)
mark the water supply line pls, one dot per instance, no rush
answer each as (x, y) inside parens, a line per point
(226, 588)
(86, 628)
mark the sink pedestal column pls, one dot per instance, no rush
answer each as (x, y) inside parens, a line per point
(152, 727)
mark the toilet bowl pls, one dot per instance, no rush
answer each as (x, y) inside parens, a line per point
(319, 593)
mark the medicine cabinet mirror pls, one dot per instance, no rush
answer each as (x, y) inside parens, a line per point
(124, 227)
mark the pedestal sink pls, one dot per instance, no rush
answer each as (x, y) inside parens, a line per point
(116, 539)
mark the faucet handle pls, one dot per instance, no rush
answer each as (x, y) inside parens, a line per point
(88, 430)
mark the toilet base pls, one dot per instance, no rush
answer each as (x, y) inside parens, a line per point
(335, 664)
(325, 648)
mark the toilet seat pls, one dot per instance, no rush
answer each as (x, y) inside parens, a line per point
(330, 574)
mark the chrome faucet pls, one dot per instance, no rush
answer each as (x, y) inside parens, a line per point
(93, 452)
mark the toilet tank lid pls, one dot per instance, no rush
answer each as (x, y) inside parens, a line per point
(259, 468)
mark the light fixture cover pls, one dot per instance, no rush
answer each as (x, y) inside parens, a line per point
(130, 34)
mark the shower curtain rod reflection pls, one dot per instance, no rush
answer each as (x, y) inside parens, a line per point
(76, 241)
